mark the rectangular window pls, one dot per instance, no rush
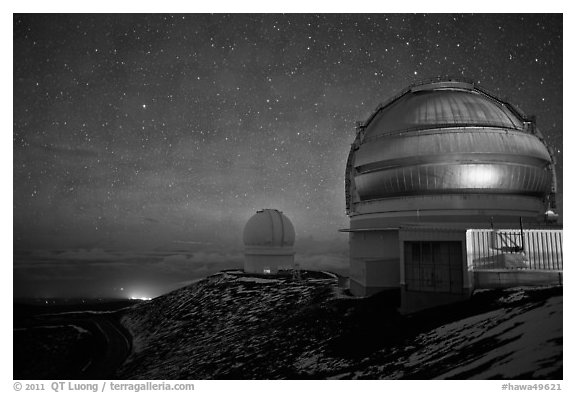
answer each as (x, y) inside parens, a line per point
(433, 266)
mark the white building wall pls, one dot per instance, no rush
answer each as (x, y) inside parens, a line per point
(374, 259)
(267, 264)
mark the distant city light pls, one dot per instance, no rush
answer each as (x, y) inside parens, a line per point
(140, 298)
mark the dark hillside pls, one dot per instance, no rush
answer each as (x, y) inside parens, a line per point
(238, 326)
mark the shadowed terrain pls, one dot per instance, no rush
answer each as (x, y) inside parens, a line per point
(69, 342)
(238, 326)
(234, 325)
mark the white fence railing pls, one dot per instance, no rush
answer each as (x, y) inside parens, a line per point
(531, 249)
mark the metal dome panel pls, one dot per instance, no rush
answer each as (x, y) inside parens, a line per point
(269, 228)
(453, 144)
(483, 178)
(425, 109)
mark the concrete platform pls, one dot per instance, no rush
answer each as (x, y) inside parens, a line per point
(505, 278)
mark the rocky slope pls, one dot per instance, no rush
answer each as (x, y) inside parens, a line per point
(238, 326)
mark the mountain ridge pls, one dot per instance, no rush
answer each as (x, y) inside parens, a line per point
(234, 325)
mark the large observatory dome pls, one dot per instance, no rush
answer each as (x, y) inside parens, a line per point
(449, 148)
(436, 161)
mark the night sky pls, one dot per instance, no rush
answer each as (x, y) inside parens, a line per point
(142, 144)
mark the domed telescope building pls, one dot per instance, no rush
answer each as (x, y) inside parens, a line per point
(435, 163)
(268, 242)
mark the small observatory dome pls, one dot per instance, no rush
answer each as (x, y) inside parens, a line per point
(268, 242)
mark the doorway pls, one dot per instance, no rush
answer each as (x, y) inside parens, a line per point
(433, 266)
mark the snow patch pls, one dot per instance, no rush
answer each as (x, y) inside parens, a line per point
(258, 280)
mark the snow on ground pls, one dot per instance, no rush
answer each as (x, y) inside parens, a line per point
(330, 274)
(513, 296)
(258, 280)
(208, 328)
(241, 327)
(314, 362)
(522, 341)
(525, 341)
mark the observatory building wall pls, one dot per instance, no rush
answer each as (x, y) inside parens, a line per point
(374, 261)
(268, 264)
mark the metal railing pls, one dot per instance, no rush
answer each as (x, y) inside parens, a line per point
(531, 249)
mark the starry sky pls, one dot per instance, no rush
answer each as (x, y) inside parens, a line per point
(143, 143)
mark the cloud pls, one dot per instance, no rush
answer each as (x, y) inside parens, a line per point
(337, 262)
(77, 272)
(200, 262)
(95, 254)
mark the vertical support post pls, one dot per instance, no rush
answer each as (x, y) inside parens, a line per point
(521, 234)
